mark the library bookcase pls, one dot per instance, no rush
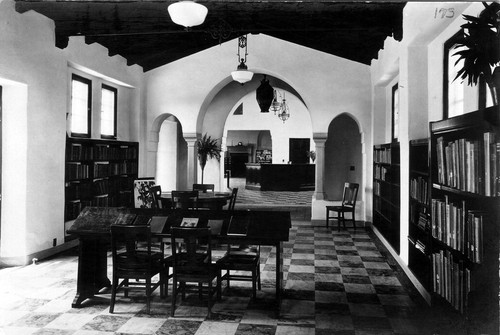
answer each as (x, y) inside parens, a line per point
(386, 192)
(419, 247)
(465, 204)
(99, 173)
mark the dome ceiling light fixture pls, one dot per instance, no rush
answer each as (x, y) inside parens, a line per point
(187, 13)
(242, 75)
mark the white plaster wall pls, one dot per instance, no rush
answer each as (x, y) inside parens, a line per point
(35, 125)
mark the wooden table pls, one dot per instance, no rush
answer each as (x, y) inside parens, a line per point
(211, 200)
(92, 228)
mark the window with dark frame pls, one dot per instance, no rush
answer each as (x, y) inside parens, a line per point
(453, 90)
(81, 106)
(109, 98)
(395, 113)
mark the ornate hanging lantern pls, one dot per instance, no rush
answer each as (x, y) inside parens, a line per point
(265, 95)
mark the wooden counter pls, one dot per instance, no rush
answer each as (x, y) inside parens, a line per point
(280, 177)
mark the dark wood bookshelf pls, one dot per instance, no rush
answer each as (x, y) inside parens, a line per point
(99, 173)
(419, 243)
(386, 192)
(465, 204)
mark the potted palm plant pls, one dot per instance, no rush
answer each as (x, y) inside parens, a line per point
(480, 49)
(207, 148)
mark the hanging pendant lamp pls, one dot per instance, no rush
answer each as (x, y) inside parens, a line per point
(275, 105)
(242, 75)
(285, 110)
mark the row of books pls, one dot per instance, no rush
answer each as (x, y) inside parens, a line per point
(470, 165)
(78, 152)
(419, 189)
(382, 173)
(458, 227)
(419, 214)
(83, 189)
(77, 171)
(451, 279)
(382, 155)
(114, 169)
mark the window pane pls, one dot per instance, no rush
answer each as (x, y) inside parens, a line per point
(79, 107)
(455, 87)
(108, 109)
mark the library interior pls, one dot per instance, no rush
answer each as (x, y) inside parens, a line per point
(336, 165)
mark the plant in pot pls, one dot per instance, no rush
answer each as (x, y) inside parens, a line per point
(479, 49)
(312, 155)
(207, 148)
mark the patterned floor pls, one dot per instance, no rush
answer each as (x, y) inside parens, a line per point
(269, 198)
(335, 283)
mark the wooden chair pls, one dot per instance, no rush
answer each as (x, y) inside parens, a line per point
(348, 205)
(204, 188)
(242, 258)
(193, 264)
(232, 201)
(155, 192)
(135, 263)
(185, 199)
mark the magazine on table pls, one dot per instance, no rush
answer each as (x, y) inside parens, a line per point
(158, 223)
(189, 222)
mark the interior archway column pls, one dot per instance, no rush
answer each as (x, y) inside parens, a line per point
(192, 159)
(319, 141)
(152, 153)
(223, 147)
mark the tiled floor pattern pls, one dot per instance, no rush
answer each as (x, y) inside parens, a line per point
(269, 198)
(335, 283)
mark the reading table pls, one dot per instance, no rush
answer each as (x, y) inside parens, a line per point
(210, 200)
(242, 226)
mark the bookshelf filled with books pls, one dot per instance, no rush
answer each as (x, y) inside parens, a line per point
(386, 192)
(465, 204)
(99, 173)
(419, 248)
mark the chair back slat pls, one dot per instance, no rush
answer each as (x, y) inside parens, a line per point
(185, 199)
(194, 256)
(155, 192)
(232, 200)
(350, 194)
(204, 188)
(131, 246)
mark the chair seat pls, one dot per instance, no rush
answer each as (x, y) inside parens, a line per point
(339, 208)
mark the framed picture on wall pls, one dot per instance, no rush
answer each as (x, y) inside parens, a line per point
(142, 198)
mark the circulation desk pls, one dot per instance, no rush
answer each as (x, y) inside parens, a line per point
(280, 177)
(93, 230)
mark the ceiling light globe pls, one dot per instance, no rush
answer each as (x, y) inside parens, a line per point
(187, 13)
(242, 76)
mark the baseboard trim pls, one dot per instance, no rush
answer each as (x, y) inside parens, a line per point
(423, 292)
(40, 255)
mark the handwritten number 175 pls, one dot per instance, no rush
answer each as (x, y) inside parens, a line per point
(444, 13)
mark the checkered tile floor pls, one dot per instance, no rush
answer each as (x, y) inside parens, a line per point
(269, 198)
(335, 283)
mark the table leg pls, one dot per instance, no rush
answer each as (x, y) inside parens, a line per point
(92, 270)
(279, 276)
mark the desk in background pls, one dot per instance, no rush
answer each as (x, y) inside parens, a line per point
(93, 230)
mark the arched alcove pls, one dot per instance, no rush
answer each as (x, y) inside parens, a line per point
(343, 157)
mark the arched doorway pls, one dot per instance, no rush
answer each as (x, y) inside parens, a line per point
(343, 157)
(171, 158)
